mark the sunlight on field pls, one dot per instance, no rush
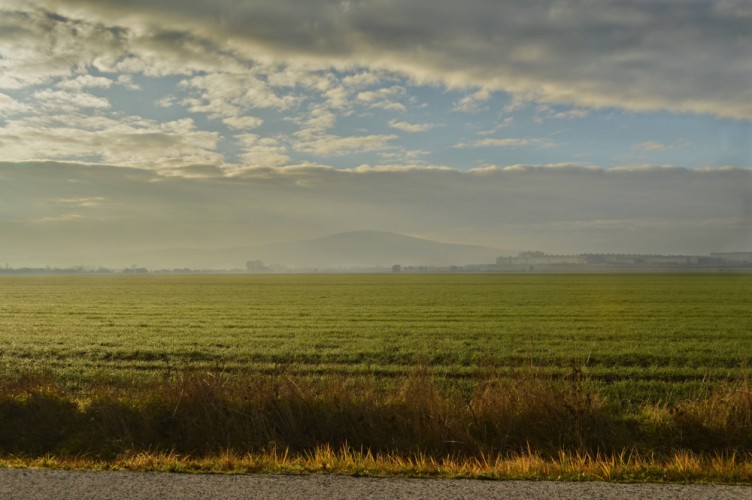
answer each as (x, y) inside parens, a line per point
(639, 338)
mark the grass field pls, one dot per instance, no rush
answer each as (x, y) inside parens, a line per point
(640, 337)
(469, 366)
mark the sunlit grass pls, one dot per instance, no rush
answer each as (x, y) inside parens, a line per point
(641, 338)
(625, 466)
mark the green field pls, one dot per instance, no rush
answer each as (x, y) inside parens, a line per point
(637, 338)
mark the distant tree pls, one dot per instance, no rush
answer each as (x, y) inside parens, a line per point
(135, 270)
(256, 266)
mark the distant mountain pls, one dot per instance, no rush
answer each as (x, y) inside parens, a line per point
(372, 248)
(342, 250)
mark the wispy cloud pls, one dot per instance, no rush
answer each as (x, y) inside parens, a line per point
(491, 142)
(9, 106)
(59, 218)
(85, 202)
(242, 122)
(656, 146)
(473, 103)
(337, 145)
(384, 98)
(545, 112)
(70, 100)
(410, 127)
(84, 82)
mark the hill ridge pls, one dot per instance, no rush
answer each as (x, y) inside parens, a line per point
(346, 249)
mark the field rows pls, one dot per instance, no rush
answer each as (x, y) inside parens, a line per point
(649, 334)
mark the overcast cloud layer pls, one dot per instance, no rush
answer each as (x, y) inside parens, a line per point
(566, 126)
(89, 213)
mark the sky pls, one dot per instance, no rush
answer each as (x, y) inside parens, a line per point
(563, 126)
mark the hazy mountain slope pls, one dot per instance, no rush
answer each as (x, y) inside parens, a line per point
(373, 248)
(350, 249)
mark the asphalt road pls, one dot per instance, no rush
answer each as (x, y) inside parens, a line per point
(54, 484)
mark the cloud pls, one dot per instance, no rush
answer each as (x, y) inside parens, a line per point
(555, 208)
(384, 98)
(131, 142)
(85, 81)
(59, 218)
(656, 146)
(570, 114)
(166, 102)
(63, 100)
(508, 143)
(651, 146)
(260, 152)
(320, 119)
(326, 145)
(473, 103)
(675, 55)
(9, 106)
(410, 127)
(640, 56)
(242, 122)
(409, 157)
(127, 82)
(362, 79)
(227, 96)
(37, 46)
(545, 112)
(338, 98)
(86, 202)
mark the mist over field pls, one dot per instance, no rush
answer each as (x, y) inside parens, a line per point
(62, 214)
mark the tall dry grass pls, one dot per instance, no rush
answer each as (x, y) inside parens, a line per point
(680, 466)
(201, 414)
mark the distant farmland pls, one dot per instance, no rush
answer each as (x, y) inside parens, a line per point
(637, 338)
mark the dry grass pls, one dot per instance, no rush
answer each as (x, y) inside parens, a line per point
(625, 467)
(523, 427)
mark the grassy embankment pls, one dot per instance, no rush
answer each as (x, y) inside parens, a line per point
(519, 376)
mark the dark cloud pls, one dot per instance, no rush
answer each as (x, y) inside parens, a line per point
(675, 54)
